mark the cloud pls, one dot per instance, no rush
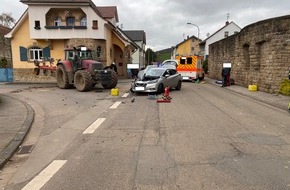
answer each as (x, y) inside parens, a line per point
(164, 21)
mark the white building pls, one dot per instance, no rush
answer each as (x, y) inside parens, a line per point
(229, 29)
(139, 37)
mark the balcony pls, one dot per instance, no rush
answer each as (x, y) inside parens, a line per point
(65, 27)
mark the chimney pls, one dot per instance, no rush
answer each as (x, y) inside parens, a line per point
(227, 23)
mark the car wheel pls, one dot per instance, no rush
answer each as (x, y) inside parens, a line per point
(178, 87)
(160, 88)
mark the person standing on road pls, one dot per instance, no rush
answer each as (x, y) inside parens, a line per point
(114, 66)
(226, 77)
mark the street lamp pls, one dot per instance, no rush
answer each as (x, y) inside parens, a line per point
(197, 33)
(197, 28)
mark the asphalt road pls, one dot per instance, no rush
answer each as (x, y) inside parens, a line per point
(206, 138)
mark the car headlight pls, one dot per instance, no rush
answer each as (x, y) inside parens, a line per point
(152, 81)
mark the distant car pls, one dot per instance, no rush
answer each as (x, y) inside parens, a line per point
(155, 79)
(170, 62)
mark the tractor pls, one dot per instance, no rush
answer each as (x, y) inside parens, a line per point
(80, 70)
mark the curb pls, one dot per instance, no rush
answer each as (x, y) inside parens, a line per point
(12, 147)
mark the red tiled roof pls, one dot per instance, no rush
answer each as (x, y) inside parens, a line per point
(4, 30)
(108, 12)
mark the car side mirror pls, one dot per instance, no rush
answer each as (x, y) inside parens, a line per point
(167, 75)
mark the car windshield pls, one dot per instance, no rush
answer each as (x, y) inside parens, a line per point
(154, 72)
(169, 62)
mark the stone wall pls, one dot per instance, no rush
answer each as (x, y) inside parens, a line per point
(260, 54)
(27, 75)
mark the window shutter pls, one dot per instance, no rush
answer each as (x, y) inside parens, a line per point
(46, 52)
(23, 53)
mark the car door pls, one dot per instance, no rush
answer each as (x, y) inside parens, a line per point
(166, 79)
(170, 78)
(174, 78)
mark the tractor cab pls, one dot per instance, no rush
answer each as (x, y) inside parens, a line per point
(76, 55)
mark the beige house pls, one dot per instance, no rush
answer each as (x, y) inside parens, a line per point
(187, 47)
(47, 27)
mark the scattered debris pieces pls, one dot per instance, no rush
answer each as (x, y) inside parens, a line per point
(152, 96)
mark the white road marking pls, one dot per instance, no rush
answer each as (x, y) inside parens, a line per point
(115, 105)
(40, 180)
(91, 129)
(125, 95)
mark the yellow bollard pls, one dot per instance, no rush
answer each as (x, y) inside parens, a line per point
(115, 92)
(253, 88)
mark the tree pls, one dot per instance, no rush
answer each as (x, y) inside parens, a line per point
(7, 20)
(150, 56)
(3, 63)
(205, 66)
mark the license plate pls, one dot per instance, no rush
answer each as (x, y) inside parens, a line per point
(185, 78)
(139, 88)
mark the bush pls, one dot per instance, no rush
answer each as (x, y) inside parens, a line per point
(3, 63)
(205, 66)
(285, 87)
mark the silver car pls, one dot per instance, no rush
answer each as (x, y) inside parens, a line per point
(156, 79)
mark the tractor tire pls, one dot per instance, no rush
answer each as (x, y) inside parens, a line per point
(114, 81)
(62, 77)
(83, 80)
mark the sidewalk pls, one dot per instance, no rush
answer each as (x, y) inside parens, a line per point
(275, 100)
(16, 116)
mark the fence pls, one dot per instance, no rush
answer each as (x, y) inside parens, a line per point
(6, 75)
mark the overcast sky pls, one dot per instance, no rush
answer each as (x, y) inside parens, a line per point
(164, 21)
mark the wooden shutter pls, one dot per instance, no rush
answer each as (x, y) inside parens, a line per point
(46, 52)
(23, 53)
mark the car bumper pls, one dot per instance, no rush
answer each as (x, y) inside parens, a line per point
(144, 87)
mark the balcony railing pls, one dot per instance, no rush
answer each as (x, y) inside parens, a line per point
(65, 27)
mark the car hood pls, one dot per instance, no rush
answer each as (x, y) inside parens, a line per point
(149, 78)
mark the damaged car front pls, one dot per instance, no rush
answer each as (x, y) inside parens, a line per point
(156, 79)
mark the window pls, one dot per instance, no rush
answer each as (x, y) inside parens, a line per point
(95, 24)
(84, 21)
(99, 51)
(173, 72)
(189, 60)
(35, 53)
(37, 25)
(70, 21)
(226, 34)
(182, 60)
(57, 21)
